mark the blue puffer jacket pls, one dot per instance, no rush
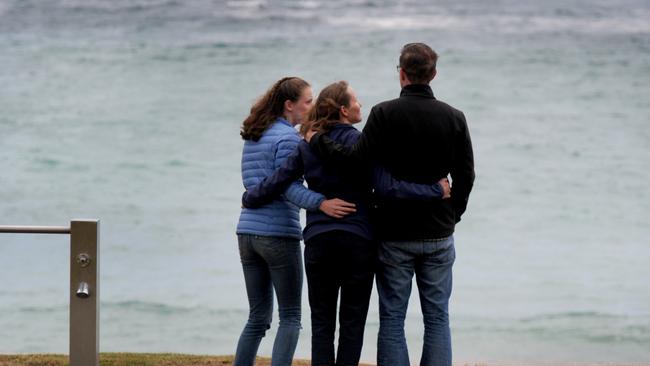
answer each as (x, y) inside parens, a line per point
(260, 159)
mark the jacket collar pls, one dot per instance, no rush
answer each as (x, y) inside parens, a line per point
(340, 124)
(283, 121)
(421, 90)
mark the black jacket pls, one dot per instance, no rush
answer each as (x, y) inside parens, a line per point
(418, 139)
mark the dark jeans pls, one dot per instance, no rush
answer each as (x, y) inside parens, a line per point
(270, 263)
(339, 260)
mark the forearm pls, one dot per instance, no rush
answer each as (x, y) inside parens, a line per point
(275, 184)
(462, 183)
(462, 173)
(332, 152)
(389, 187)
(359, 153)
(460, 197)
(303, 197)
(263, 193)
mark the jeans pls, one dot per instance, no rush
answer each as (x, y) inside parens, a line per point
(339, 261)
(270, 263)
(431, 261)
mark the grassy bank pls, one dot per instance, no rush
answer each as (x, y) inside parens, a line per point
(173, 359)
(133, 359)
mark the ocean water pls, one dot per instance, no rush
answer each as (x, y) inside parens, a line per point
(129, 112)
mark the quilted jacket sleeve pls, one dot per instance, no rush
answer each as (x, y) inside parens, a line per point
(272, 186)
(297, 193)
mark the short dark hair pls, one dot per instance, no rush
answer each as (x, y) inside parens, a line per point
(418, 62)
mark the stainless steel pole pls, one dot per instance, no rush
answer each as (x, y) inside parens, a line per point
(84, 285)
(35, 229)
(84, 293)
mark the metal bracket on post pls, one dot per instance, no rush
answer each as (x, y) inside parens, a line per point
(84, 293)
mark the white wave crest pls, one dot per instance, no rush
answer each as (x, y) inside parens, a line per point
(401, 22)
(498, 23)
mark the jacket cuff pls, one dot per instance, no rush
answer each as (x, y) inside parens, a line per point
(316, 206)
(441, 191)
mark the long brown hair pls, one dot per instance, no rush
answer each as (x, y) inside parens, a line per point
(271, 106)
(326, 111)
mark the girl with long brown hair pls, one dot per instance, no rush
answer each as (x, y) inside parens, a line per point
(269, 236)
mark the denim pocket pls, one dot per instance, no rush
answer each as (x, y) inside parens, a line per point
(244, 245)
(444, 250)
(268, 246)
(277, 250)
(393, 253)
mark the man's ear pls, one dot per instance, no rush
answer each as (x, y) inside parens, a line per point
(402, 75)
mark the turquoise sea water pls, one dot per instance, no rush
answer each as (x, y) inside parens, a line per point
(129, 111)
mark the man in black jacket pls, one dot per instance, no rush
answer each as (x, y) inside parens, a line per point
(419, 139)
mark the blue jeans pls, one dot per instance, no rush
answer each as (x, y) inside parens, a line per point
(431, 262)
(270, 263)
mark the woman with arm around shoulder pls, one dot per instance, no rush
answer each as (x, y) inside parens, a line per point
(269, 236)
